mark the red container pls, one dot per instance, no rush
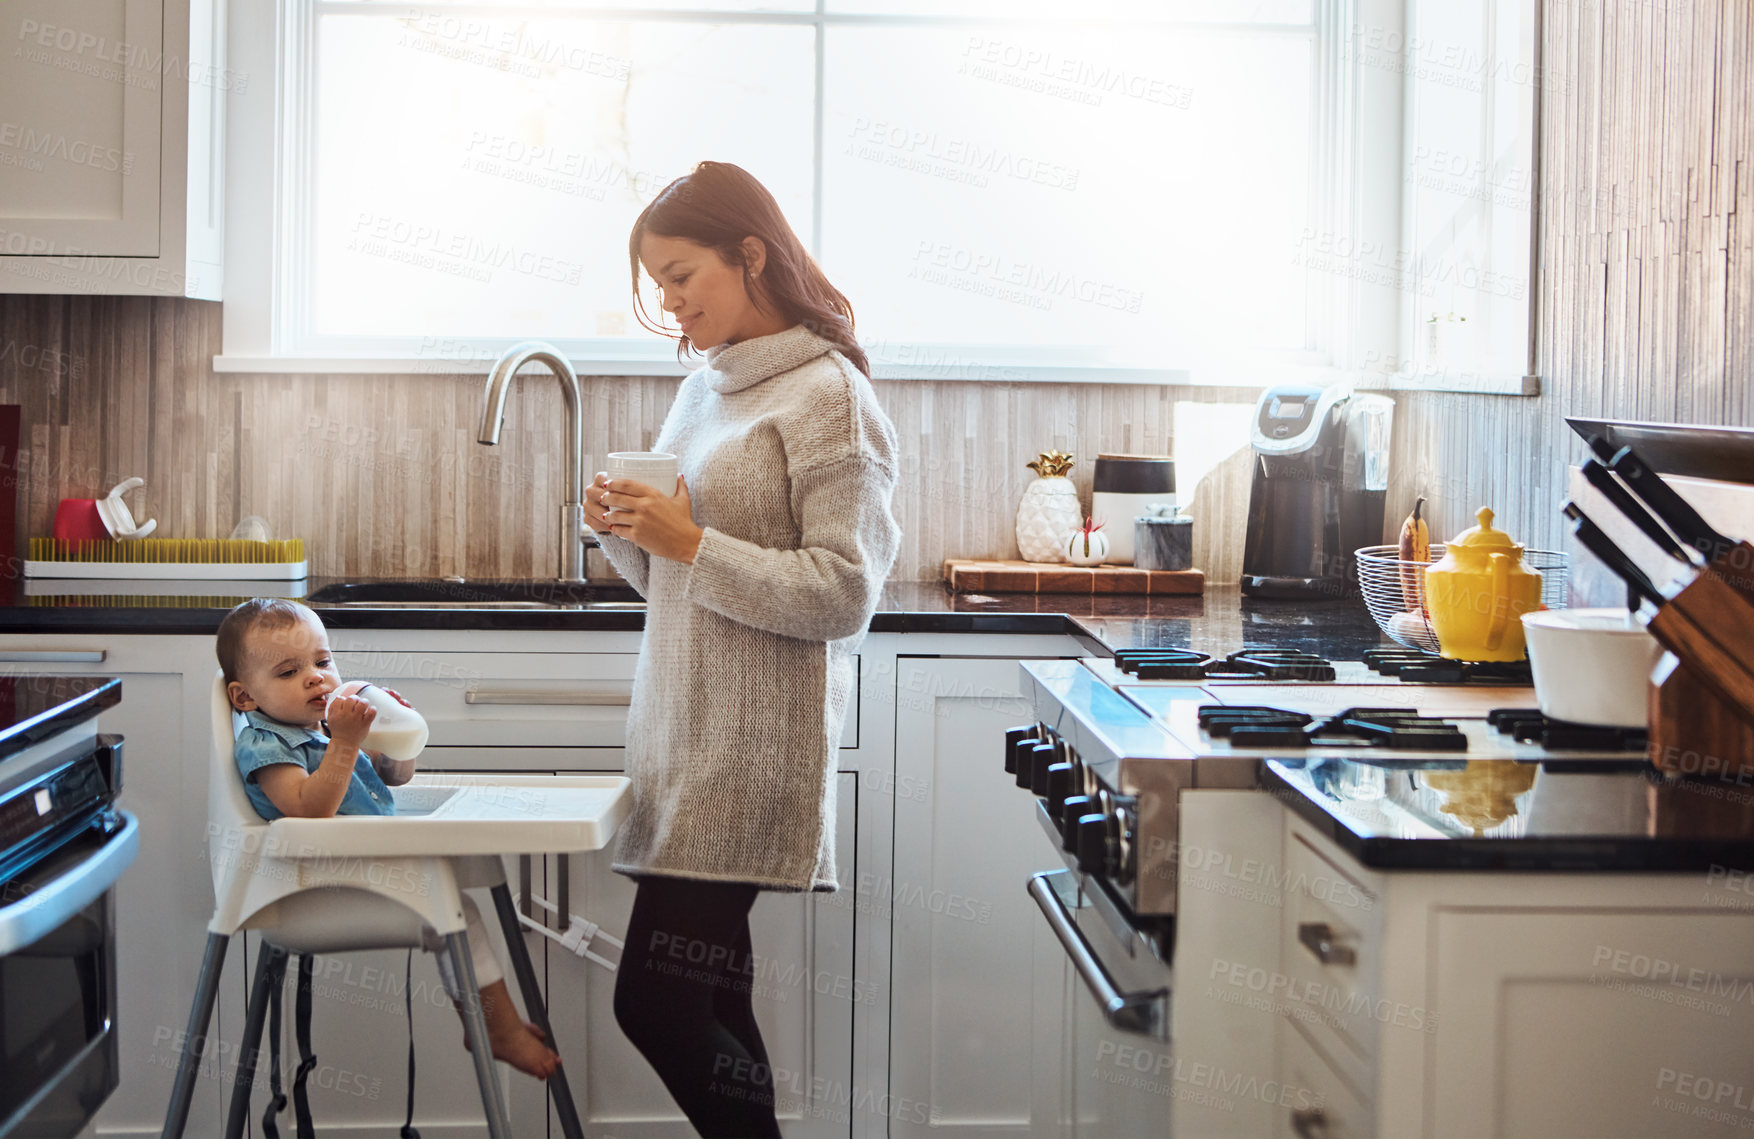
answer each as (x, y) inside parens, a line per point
(77, 520)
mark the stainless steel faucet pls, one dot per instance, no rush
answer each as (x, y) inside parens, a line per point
(572, 510)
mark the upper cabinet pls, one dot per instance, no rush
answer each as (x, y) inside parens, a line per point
(111, 156)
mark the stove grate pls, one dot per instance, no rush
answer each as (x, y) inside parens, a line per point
(1394, 728)
(1528, 725)
(1244, 664)
(1414, 667)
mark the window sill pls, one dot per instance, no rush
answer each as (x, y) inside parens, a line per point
(947, 370)
(1468, 383)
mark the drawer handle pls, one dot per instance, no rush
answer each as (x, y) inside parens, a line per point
(1328, 947)
(1309, 1123)
(603, 695)
(54, 656)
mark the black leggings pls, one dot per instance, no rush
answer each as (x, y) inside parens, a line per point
(682, 996)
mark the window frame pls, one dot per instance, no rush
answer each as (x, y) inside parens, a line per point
(269, 196)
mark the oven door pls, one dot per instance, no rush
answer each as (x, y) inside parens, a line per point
(1123, 1078)
(58, 1058)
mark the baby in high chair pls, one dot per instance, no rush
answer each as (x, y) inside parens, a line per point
(300, 756)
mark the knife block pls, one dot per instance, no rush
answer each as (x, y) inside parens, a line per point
(1693, 731)
(1702, 691)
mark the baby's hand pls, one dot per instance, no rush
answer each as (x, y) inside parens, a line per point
(350, 718)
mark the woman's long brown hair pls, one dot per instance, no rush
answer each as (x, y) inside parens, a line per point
(718, 205)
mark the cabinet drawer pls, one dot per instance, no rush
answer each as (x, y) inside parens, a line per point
(1316, 1102)
(1331, 948)
(499, 700)
(508, 699)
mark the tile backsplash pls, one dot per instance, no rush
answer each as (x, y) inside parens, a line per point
(382, 474)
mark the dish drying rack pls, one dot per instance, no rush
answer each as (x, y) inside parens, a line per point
(1386, 581)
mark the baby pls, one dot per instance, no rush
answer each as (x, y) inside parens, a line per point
(279, 674)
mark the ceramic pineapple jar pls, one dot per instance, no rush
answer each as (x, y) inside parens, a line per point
(1049, 510)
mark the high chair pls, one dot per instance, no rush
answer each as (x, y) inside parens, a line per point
(373, 882)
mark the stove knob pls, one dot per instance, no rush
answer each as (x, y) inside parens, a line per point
(1044, 757)
(1014, 737)
(1074, 808)
(1092, 843)
(1059, 786)
(1026, 753)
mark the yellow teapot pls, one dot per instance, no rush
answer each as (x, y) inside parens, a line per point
(1478, 594)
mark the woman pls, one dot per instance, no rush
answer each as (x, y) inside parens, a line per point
(760, 574)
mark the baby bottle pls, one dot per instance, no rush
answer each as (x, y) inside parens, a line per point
(399, 731)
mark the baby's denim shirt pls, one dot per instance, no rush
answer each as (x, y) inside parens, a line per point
(265, 741)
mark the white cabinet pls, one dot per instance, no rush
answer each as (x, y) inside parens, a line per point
(110, 153)
(1628, 1022)
(1480, 1004)
(976, 975)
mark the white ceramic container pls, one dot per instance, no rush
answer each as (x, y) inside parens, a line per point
(1591, 666)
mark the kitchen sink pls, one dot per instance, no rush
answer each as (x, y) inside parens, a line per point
(453, 593)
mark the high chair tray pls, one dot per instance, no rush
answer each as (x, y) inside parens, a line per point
(442, 814)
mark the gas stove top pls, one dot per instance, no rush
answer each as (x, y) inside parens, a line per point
(1394, 704)
(1402, 666)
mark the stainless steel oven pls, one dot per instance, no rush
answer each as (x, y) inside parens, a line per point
(1117, 932)
(63, 846)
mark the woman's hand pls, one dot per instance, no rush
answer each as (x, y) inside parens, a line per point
(655, 523)
(594, 512)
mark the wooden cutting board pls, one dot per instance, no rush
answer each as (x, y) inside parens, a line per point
(967, 575)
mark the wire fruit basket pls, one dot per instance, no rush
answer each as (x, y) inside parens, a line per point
(1391, 587)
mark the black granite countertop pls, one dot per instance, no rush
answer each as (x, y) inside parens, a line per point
(1220, 621)
(35, 708)
(1509, 815)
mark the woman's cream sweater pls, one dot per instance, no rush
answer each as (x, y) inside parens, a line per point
(747, 664)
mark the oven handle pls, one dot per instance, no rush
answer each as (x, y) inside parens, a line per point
(42, 911)
(1143, 1012)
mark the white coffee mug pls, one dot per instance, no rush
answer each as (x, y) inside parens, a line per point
(657, 469)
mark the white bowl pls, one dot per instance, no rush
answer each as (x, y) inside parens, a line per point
(1591, 666)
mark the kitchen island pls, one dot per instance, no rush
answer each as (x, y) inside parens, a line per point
(1383, 915)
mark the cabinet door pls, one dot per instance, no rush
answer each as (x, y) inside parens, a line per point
(1619, 1023)
(79, 151)
(969, 946)
(805, 989)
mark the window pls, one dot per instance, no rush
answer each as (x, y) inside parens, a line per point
(1250, 191)
(1021, 189)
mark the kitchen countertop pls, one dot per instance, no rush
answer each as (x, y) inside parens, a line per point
(1488, 815)
(1507, 815)
(34, 708)
(1220, 621)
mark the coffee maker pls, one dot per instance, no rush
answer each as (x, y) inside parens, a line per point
(1321, 474)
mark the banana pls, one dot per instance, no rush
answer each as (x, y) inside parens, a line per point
(1415, 547)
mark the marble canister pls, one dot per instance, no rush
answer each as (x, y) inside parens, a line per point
(1163, 542)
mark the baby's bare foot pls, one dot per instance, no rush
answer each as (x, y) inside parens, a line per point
(523, 1046)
